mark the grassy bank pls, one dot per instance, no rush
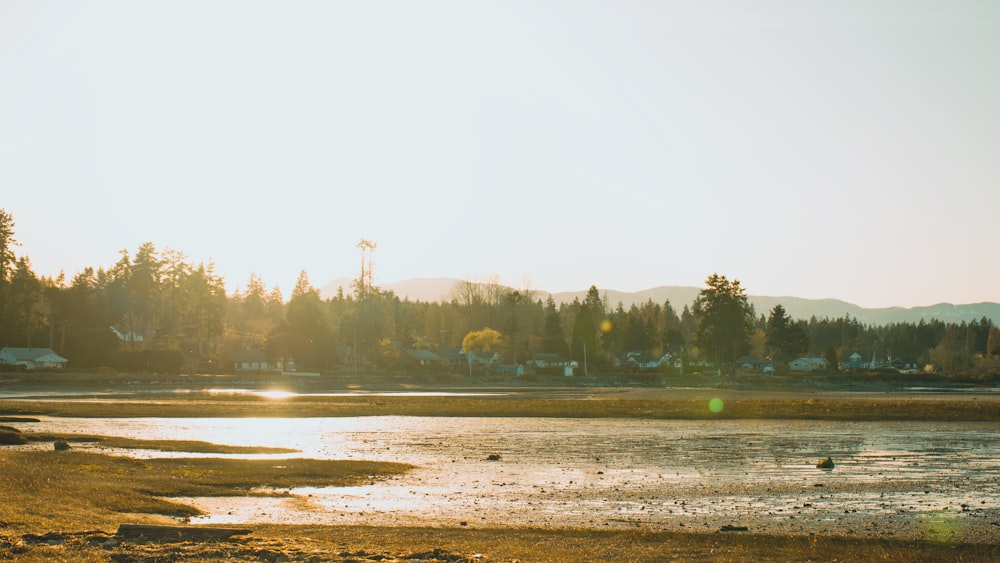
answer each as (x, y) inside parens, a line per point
(654, 405)
(56, 490)
(368, 544)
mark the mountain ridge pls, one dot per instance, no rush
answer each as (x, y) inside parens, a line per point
(440, 289)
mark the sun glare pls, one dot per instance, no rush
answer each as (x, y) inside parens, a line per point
(275, 394)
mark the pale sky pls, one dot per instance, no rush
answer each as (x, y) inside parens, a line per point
(842, 149)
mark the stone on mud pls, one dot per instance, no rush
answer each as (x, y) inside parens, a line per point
(825, 463)
(11, 436)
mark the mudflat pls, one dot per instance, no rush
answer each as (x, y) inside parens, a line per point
(49, 519)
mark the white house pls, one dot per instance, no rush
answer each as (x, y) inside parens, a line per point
(252, 360)
(553, 364)
(32, 358)
(807, 364)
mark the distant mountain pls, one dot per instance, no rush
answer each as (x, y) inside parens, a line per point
(416, 289)
(440, 289)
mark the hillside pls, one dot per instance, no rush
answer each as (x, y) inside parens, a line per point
(440, 289)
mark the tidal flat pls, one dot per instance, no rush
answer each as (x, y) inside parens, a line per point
(641, 474)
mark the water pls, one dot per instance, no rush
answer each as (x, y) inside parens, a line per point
(608, 472)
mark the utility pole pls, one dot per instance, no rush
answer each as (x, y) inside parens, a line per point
(365, 284)
(366, 280)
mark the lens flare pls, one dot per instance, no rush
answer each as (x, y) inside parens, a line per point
(606, 326)
(715, 405)
(942, 528)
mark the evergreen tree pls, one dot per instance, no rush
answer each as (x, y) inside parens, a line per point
(725, 319)
(553, 339)
(785, 339)
(7, 260)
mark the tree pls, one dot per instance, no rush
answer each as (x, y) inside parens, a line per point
(514, 299)
(553, 338)
(85, 313)
(587, 327)
(26, 305)
(830, 355)
(485, 340)
(7, 244)
(366, 280)
(306, 332)
(202, 311)
(785, 339)
(724, 318)
(585, 341)
(7, 259)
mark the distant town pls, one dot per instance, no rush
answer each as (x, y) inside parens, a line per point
(154, 312)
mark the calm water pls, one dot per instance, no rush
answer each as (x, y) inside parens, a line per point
(605, 472)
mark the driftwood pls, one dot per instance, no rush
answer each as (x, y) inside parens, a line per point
(178, 533)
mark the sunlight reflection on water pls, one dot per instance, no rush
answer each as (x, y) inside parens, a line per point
(599, 471)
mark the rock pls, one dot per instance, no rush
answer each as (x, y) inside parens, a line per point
(11, 436)
(493, 457)
(60, 445)
(825, 463)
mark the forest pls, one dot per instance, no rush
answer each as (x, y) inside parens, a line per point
(153, 310)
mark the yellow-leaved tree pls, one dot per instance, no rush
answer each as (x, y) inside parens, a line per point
(485, 340)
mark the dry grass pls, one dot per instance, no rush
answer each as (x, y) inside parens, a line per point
(371, 544)
(569, 545)
(690, 406)
(189, 446)
(51, 490)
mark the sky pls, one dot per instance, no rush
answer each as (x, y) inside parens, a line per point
(842, 149)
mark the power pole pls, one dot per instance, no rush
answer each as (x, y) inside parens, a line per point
(365, 284)
(366, 280)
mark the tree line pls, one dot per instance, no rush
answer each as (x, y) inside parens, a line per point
(153, 310)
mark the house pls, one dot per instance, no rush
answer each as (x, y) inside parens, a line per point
(454, 357)
(553, 364)
(511, 369)
(752, 363)
(641, 361)
(251, 360)
(854, 361)
(807, 364)
(424, 358)
(32, 358)
(482, 359)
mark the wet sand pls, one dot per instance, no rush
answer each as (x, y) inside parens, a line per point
(907, 480)
(931, 482)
